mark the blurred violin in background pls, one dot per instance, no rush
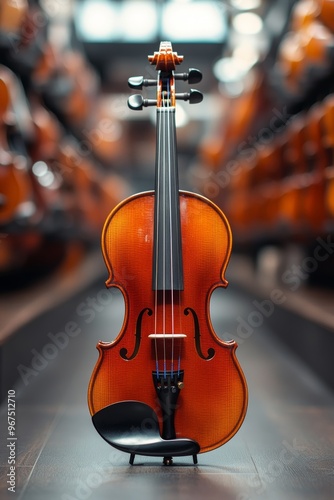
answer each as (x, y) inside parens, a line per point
(55, 193)
(15, 186)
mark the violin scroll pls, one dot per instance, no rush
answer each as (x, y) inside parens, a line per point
(165, 61)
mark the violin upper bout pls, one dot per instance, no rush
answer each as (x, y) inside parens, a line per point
(129, 269)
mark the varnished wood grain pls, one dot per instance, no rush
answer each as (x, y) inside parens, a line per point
(213, 402)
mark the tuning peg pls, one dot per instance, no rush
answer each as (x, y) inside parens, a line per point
(194, 96)
(138, 82)
(137, 102)
(193, 76)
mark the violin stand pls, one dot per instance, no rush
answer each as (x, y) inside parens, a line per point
(132, 427)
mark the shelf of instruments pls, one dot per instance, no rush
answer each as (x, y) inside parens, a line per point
(59, 142)
(270, 162)
(285, 188)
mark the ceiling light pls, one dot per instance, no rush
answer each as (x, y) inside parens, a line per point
(200, 21)
(230, 69)
(246, 4)
(247, 23)
(97, 21)
(246, 52)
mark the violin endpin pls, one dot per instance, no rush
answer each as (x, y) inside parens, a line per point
(168, 461)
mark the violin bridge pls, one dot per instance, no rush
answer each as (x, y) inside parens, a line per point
(167, 336)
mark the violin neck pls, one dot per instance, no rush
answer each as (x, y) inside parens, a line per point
(167, 252)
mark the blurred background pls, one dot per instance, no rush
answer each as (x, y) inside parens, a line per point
(260, 145)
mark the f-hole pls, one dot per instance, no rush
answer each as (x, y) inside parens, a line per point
(123, 352)
(197, 336)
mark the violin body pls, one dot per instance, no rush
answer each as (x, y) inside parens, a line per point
(215, 391)
(167, 251)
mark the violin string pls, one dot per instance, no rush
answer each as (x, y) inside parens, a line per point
(179, 306)
(156, 242)
(165, 122)
(170, 158)
(164, 104)
(172, 128)
(180, 329)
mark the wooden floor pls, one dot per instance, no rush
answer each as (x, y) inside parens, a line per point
(284, 450)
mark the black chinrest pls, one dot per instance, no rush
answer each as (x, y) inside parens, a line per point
(132, 427)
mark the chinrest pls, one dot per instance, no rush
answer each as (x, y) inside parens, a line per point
(132, 427)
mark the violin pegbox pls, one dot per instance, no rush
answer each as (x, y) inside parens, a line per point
(165, 62)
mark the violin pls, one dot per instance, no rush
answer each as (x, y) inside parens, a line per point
(314, 207)
(328, 144)
(86, 191)
(167, 386)
(12, 16)
(304, 52)
(15, 190)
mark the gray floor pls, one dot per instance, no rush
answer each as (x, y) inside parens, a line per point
(284, 450)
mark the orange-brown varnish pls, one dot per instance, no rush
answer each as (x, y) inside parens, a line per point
(213, 402)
